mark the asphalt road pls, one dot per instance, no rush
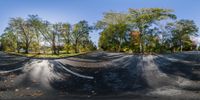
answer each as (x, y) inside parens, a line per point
(102, 75)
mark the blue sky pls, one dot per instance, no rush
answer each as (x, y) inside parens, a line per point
(73, 11)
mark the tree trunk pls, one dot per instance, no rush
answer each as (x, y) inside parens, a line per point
(18, 48)
(141, 40)
(39, 46)
(58, 45)
(53, 48)
(53, 45)
(58, 50)
(67, 49)
(27, 47)
(76, 47)
(181, 45)
(120, 44)
(119, 48)
(141, 45)
(54, 51)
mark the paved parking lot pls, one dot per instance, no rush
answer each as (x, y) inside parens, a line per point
(100, 75)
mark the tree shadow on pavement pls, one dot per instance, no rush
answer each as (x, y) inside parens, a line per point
(13, 66)
(98, 57)
(111, 80)
(178, 68)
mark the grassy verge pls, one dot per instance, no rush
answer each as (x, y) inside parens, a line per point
(36, 55)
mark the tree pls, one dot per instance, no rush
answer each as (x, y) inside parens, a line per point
(80, 33)
(57, 36)
(88, 45)
(134, 41)
(1, 46)
(8, 41)
(46, 29)
(114, 28)
(34, 20)
(15, 30)
(108, 40)
(24, 30)
(181, 31)
(152, 40)
(34, 33)
(66, 35)
(142, 19)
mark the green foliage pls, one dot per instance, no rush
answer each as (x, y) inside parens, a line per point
(8, 41)
(139, 30)
(80, 33)
(36, 35)
(181, 31)
(142, 19)
(115, 29)
(113, 37)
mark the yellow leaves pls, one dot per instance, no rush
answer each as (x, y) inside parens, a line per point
(37, 93)
(22, 93)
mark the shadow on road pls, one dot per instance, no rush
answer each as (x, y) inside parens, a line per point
(179, 67)
(110, 80)
(97, 57)
(120, 74)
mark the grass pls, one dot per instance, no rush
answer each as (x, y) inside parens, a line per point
(37, 55)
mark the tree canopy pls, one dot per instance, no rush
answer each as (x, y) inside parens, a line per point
(35, 34)
(137, 31)
(143, 30)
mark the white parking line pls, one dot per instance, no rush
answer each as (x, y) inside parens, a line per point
(9, 71)
(74, 73)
